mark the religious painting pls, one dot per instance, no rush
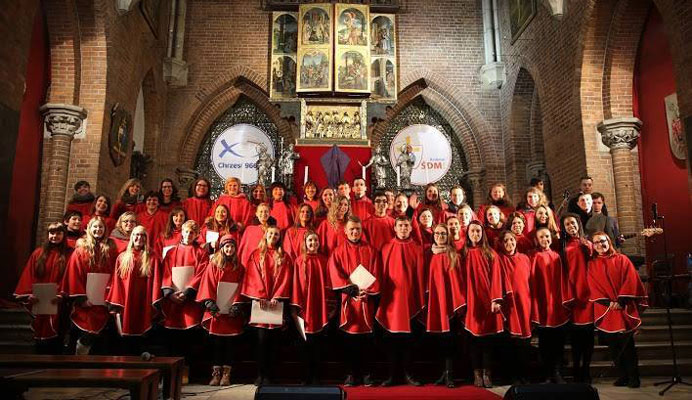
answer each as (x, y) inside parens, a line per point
(676, 136)
(382, 79)
(285, 33)
(521, 12)
(120, 134)
(150, 11)
(352, 71)
(352, 27)
(333, 123)
(314, 70)
(315, 24)
(283, 77)
(382, 35)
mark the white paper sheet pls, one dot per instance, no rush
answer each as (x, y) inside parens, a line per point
(181, 277)
(96, 288)
(300, 324)
(45, 292)
(212, 237)
(165, 251)
(362, 278)
(259, 316)
(224, 295)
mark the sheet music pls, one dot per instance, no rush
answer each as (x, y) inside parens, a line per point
(273, 317)
(96, 288)
(45, 293)
(181, 277)
(225, 293)
(362, 278)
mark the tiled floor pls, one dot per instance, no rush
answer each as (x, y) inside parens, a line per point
(242, 392)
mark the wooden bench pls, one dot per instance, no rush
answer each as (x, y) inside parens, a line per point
(171, 367)
(143, 384)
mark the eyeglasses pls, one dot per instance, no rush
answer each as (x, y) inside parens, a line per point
(202, 185)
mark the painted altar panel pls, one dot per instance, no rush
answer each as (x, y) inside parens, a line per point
(283, 55)
(383, 67)
(352, 49)
(314, 63)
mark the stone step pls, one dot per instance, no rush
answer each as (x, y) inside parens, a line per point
(14, 316)
(658, 316)
(16, 332)
(13, 347)
(659, 333)
(645, 351)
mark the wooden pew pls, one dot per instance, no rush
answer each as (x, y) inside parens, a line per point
(143, 384)
(171, 367)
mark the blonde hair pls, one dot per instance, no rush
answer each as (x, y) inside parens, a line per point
(332, 214)
(126, 186)
(218, 259)
(451, 251)
(99, 251)
(119, 223)
(127, 259)
(229, 180)
(191, 225)
(279, 255)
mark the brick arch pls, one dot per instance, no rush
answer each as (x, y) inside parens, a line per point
(65, 51)
(229, 77)
(221, 100)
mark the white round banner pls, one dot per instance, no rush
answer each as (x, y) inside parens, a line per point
(431, 149)
(235, 152)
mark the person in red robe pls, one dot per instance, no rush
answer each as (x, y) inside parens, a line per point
(46, 265)
(101, 207)
(268, 278)
(497, 196)
(281, 209)
(224, 318)
(123, 229)
(494, 222)
(171, 234)
(152, 218)
(379, 228)
(445, 298)
(361, 205)
(357, 305)
(94, 254)
(576, 251)
(216, 226)
(343, 189)
(331, 230)
(401, 208)
(326, 200)
(253, 234)
(169, 198)
(618, 297)
(391, 197)
(82, 199)
(552, 298)
(310, 195)
(313, 301)
(198, 203)
(73, 227)
(258, 195)
(402, 288)
(532, 199)
(457, 237)
(129, 198)
(546, 219)
(295, 235)
(517, 224)
(433, 202)
(239, 207)
(485, 292)
(181, 314)
(425, 223)
(465, 215)
(516, 269)
(135, 287)
(457, 200)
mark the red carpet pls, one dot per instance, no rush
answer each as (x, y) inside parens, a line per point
(423, 392)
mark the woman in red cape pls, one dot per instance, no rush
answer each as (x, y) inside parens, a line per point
(45, 265)
(94, 254)
(497, 196)
(129, 198)
(516, 268)
(433, 202)
(552, 297)
(282, 210)
(268, 278)
(136, 285)
(253, 234)
(171, 234)
(484, 291)
(576, 251)
(295, 235)
(220, 223)
(546, 219)
(168, 196)
(618, 295)
(152, 218)
(494, 223)
(457, 236)
(239, 207)
(198, 203)
(101, 207)
(357, 315)
(224, 325)
(331, 230)
(326, 199)
(445, 298)
(312, 300)
(123, 229)
(379, 228)
(517, 224)
(532, 199)
(426, 219)
(310, 195)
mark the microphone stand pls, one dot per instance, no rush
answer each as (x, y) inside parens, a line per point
(675, 378)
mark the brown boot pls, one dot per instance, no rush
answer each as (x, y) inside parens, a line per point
(487, 382)
(226, 376)
(186, 375)
(215, 376)
(477, 378)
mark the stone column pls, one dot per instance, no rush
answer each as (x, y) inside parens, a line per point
(62, 121)
(620, 135)
(475, 178)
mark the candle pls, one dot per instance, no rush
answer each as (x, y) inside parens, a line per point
(398, 176)
(305, 178)
(363, 171)
(273, 174)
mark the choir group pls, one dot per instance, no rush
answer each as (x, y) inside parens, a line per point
(394, 267)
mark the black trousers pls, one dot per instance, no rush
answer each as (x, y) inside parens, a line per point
(446, 345)
(624, 354)
(223, 349)
(551, 345)
(53, 346)
(516, 357)
(357, 348)
(266, 350)
(399, 352)
(481, 348)
(179, 342)
(582, 340)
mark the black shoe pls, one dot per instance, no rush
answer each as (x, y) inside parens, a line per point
(412, 381)
(449, 381)
(621, 381)
(389, 382)
(367, 381)
(634, 383)
(442, 379)
(350, 381)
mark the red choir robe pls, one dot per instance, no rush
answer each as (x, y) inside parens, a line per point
(167, 208)
(82, 207)
(439, 214)
(459, 244)
(240, 209)
(379, 230)
(110, 222)
(505, 210)
(415, 227)
(362, 208)
(283, 214)
(268, 282)
(524, 243)
(44, 326)
(551, 293)
(611, 279)
(154, 224)
(197, 209)
(311, 291)
(221, 324)
(483, 284)
(530, 216)
(402, 285)
(188, 314)
(517, 309)
(576, 257)
(162, 242)
(202, 239)
(493, 236)
(330, 237)
(121, 207)
(121, 241)
(427, 236)
(93, 318)
(445, 295)
(72, 237)
(293, 241)
(312, 203)
(357, 313)
(252, 236)
(134, 296)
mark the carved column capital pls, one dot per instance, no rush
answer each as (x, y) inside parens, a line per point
(63, 119)
(620, 133)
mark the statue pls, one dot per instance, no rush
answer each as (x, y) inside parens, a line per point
(286, 161)
(265, 163)
(405, 162)
(380, 163)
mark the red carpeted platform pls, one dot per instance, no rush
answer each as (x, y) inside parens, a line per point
(405, 392)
